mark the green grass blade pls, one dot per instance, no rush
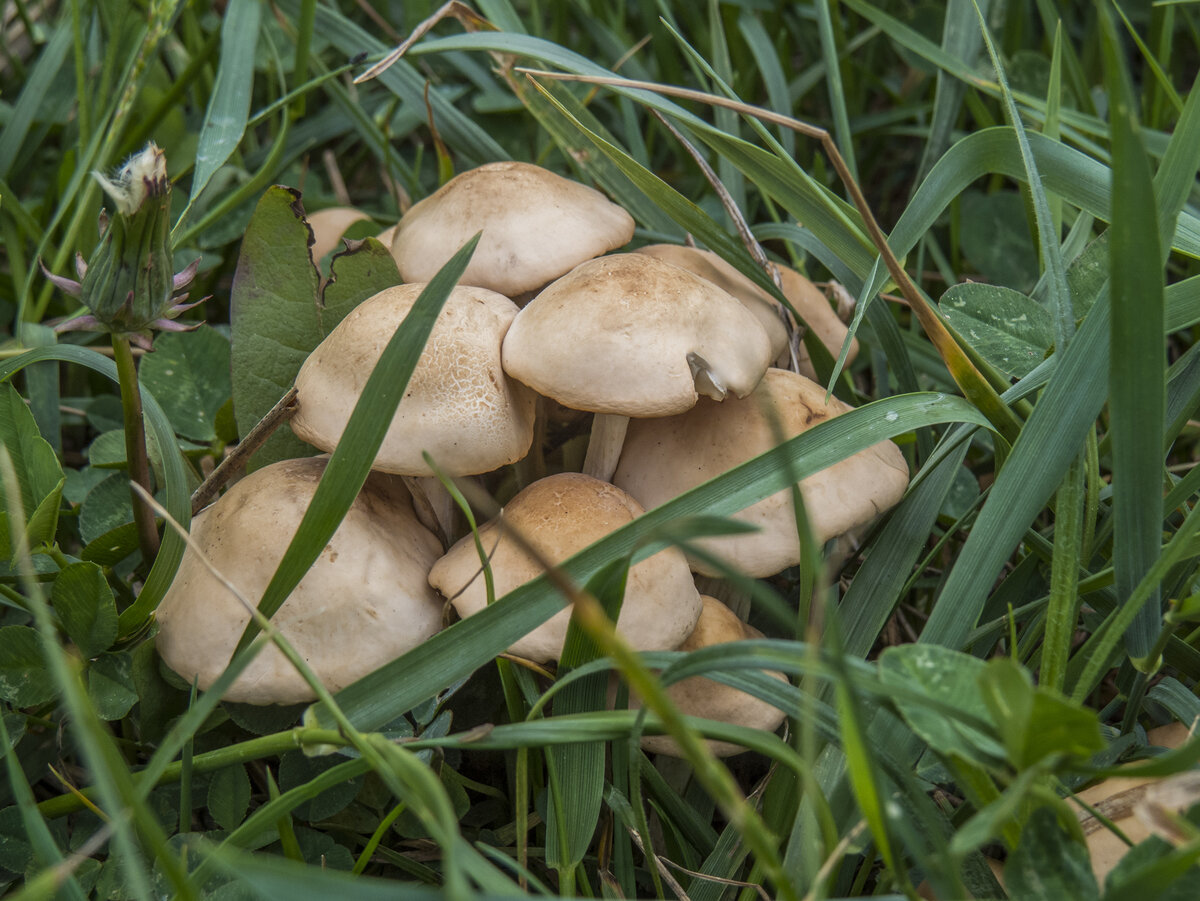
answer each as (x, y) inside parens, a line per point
(33, 97)
(1062, 611)
(774, 81)
(229, 105)
(351, 461)
(1059, 292)
(1137, 394)
(843, 134)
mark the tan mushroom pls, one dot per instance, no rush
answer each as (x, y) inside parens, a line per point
(806, 297)
(558, 516)
(627, 335)
(536, 226)
(328, 226)
(459, 406)
(698, 696)
(663, 458)
(365, 600)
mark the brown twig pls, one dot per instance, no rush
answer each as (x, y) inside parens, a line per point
(455, 9)
(284, 410)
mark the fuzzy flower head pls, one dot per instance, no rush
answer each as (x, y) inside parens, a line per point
(129, 285)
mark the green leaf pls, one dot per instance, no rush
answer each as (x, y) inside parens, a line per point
(24, 677)
(1006, 328)
(1048, 865)
(37, 468)
(296, 769)
(229, 796)
(356, 274)
(85, 606)
(1033, 721)
(274, 316)
(229, 105)
(188, 374)
(952, 678)
(995, 238)
(106, 507)
(111, 687)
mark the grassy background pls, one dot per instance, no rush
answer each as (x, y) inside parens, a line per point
(1009, 631)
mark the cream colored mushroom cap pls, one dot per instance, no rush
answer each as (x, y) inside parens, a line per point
(698, 696)
(459, 405)
(663, 458)
(558, 516)
(631, 335)
(536, 226)
(365, 600)
(818, 315)
(706, 264)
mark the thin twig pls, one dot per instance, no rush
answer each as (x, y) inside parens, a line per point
(663, 871)
(284, 410)
(470, 20)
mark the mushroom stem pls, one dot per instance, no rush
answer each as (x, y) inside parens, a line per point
(604, 446)
(433, 505)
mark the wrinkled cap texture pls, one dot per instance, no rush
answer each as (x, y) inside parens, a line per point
(662, 458)
(706, 264)
(364, 602)
(458, 405)
(630, 335)
(536, 226)
(698, 696)
(558, 516)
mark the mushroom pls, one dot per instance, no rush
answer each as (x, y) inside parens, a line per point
(365, 600)
(328, 226)
(627, 335)
(558, 516)
(803, 295)
(536, 226)
(458, 405)
(663, 458)
(698, 696)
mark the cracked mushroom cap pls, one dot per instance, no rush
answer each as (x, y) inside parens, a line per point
(365, 600)
(558, 516)
(662, 458)
(698, 696)
(536, 226)
(630, 335)
(459, 405)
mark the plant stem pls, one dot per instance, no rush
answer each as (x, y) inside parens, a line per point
(135, 446)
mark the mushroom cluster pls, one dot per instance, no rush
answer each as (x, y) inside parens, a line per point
(669, 348)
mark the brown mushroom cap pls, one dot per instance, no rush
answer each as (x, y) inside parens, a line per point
(630, 335)
(818, 315)
(558, 516)
(698, 696)
(363, 602)
(706, 264)
(459, 405)
(536, 226)
(662, 458)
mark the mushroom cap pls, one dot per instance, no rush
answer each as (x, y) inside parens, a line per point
(536, 226)
(663, 458)
(558, 516)
(633, 336)
(364, 601)
(698, 696)
(458, 405)
(706, 264)
(328, 226)
(811, 304)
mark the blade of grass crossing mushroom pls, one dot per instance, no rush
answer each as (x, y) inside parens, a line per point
(1137, 395)
(351, 461)
(457, 651)
(1059, 292)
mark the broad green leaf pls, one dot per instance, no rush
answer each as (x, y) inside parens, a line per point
(274, 315)
(86, 608)
(107, 507)
(25, 679)
(110, 686)
(356, 274)
(37, 469)
(188, 374)
(296, 769)
(1006, 328)
(229, 104)
(994, 234)
(229, 796)
(951, 677)
(1035, 722)
(1048, 864)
